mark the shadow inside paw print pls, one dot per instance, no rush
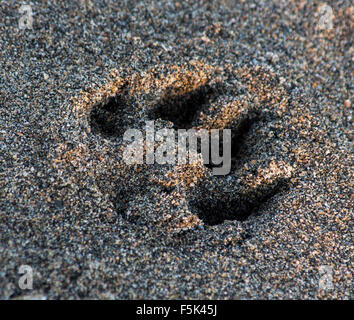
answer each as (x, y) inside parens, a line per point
(103, 118)
(182, 110)
(253, 179)
(235, 207)
(112, 117)
(229, 197)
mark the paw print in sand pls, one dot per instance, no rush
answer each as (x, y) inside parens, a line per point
(174, 197)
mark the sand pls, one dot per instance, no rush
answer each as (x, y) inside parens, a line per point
(279, 226)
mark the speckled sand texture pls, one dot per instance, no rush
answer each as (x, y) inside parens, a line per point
(92, 226)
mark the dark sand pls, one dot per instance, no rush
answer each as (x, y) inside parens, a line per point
(92, 227)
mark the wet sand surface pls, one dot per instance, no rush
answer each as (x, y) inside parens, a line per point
(278, 74)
